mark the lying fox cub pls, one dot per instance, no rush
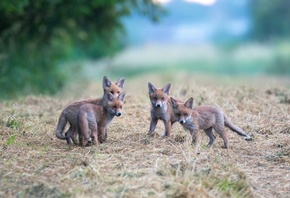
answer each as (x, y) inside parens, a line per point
(206, 118)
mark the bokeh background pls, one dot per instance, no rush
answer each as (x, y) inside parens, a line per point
(48, 45)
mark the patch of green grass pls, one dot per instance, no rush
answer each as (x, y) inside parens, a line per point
(11, 140)
(42, 190)
(230, 186)
(13, 123)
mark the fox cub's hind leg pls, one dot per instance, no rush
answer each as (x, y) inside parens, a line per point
(74, 135)
(68, 135)
(221, 131)
(211, 136)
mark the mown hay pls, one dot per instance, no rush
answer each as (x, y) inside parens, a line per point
(34, 163)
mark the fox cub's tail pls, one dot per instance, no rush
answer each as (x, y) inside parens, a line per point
(236, 129)
(60, 127)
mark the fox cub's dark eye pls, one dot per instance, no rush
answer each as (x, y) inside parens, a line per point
(155, 98)
(185, 114)
(178, 114)
(112, 92)
(162, 98)
(118, 92)
(114, 106)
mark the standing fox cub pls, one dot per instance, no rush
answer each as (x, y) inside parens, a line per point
(93, 119)
(206, 118)
(160, 108)
(69, 114)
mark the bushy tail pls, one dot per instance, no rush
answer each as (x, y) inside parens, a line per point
(236, 129)
(60, 127)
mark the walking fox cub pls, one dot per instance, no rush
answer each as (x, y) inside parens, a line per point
(206, 118)
(69, 114)
(93, 119)
(160, 108)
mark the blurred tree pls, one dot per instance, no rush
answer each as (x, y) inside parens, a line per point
(36, 35)
(271, 19)
(271, 22)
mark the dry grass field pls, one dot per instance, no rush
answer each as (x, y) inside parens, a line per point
(34, 163)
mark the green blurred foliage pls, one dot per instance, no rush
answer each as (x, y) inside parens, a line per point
(280, 63)
(271, 19)
(36, 35)
(271, 24)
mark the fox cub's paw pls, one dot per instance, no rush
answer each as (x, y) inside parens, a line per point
(89, 142)
(249, 138)
(151, 134)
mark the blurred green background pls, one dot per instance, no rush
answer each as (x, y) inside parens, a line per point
(44, 45)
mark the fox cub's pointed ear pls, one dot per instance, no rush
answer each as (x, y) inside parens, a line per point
(166, 88)
(151, 88)
(121, 82)
(106, 82)
(189, 103)
(109, 96)
(173, 102)
(122, 96)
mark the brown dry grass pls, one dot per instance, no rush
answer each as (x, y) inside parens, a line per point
(34, 163)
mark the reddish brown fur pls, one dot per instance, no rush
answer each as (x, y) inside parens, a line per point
(206, 118)
(161, 108)
(93, 119)
(69, 114)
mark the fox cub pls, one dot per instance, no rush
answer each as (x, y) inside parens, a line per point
(161, 108)
(206, 118)
(93, 119)
(69, 114)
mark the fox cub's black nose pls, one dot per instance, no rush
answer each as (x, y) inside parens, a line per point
(158, 105)
(118, 114)
(181, 121)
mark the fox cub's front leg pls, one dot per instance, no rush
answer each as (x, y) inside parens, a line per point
(101, 134)
(167, 126)
(195, 137)
(153, 124)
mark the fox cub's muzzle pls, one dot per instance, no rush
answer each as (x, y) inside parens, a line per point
(182, 121)
(158, 104)
(118, 114)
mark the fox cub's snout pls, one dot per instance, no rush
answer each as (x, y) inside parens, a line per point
(181, 121)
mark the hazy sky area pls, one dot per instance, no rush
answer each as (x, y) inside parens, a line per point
(192, 22)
